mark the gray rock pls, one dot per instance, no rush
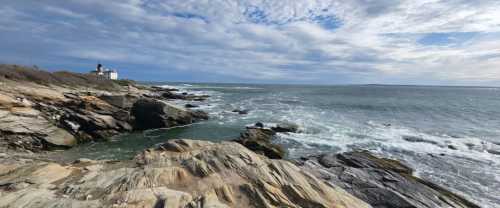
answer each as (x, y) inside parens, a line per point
(419, 139)
(286, 127)
(152, 114)
(179, 173)
(380, 182)
(259, 140)
(121, 101)
(32, 132)
(241, 112)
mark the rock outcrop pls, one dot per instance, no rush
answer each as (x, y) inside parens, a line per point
(380, 182)
(165, 93)
(27, 129)
(178, 173)
(259, 140)
(36, 117)
(286, 127)
(150, 114)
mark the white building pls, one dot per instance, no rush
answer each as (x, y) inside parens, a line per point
(105, 73)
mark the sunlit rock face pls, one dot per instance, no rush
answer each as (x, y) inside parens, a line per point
(178, 173)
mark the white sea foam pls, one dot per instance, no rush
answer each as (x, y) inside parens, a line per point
(325, 130)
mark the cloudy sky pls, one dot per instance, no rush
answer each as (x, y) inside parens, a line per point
(447, 42)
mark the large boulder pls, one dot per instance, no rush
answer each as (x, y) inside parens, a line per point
(178, 173)
(259, 140)
(152, 114)
(380, 182)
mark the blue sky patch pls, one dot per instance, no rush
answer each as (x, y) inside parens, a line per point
(443, 39)
(255, 15)
(328, 22)
(189, 16)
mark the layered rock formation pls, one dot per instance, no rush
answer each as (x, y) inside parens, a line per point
(44, 116)
(380, 182)
(178, 173)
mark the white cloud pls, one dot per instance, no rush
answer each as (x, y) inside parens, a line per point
(280, 40)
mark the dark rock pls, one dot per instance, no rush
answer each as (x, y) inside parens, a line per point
(170, 95)
(286, 127)
(241, 112)
(380, 182)
(183, 96)
(199, 115)
(189, 105)
(152, 114)
(259, 141)
(419, 139)
(452, 147)
(259, 125)
(492, 151)
(97, 126)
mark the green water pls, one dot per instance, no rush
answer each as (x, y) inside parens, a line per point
(126, 146)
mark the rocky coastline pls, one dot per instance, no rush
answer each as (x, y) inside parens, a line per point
(39, 116)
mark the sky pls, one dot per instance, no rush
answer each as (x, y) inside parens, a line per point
(428, 42)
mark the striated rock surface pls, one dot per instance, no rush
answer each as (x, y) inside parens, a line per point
(380, 182)
(43, 111)
(178, 173)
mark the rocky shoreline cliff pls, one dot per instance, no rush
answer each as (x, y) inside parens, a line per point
(41, 112)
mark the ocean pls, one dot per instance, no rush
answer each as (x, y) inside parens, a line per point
(449, 135)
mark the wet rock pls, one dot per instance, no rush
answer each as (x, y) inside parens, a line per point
(286, 127)
(178, 173)
(199, 115)
(419, 140)
(259, 140)
(152, 114)
(259, 125)
(241, 112)
(380, 182)
(452, 147)
(183, 96)
(189, 105)
(171, 95)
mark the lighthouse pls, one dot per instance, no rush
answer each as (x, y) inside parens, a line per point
(103, 73)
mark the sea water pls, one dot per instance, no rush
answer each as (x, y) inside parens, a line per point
(449, 135)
